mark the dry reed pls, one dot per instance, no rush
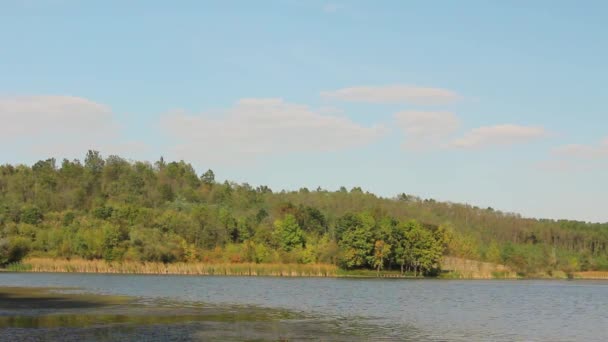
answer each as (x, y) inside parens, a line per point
(223, 269)
(591, 275)
(473, 269)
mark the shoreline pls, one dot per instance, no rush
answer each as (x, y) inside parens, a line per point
(81, 266)
(312, 277)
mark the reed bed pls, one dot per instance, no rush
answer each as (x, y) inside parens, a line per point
(218, 269)
(591, 275)
(459, 268)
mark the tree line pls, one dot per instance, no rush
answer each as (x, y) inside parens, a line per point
(114, 209)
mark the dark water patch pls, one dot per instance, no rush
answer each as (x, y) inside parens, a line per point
(67, 307)
(69, 314)
(88, 320)
(15, 298)
(291, 330)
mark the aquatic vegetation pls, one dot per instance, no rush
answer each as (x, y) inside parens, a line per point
(192, 268)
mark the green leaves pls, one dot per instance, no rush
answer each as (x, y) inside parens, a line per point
(208, 177)
(13, 249)
(31, 215)
(289, 233)
(357, 240)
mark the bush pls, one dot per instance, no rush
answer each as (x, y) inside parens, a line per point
(31, 215)
(13, 250)
(103, 213)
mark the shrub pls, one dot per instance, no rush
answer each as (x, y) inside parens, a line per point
(13, 250)
(31, 215)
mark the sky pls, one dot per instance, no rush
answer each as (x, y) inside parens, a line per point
(493, 103)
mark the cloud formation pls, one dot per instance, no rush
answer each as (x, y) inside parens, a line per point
(584, 151)
(397, 93)
(48, 125)
(259, 127)
(426, 129)
(51, 115)
(331, 7)
(507, 134)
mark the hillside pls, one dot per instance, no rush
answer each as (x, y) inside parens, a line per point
(114, 209)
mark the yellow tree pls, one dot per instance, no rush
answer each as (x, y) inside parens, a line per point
(382, 250)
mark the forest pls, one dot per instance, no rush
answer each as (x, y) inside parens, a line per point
(118, 210)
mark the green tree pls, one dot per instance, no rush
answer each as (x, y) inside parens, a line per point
(208, 177)
(403, 244)
(356, 234)
(493, 253)
(289, 233)
(94, 162)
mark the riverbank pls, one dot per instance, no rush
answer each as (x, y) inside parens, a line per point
(466, 269)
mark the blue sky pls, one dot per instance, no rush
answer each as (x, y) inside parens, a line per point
(491, 103)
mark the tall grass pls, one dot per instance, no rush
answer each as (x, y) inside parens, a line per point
(591, 275)
(364, 273)
(459, 268)
(223, 269)
(18, 267)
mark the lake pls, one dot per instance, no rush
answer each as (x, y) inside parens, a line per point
(321, 309)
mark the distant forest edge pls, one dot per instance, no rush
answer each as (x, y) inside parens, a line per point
(119, 211)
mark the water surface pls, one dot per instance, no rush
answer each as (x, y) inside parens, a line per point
(352, 309)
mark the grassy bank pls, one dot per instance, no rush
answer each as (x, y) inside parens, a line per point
(130, 267)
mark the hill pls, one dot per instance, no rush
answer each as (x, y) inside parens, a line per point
(118, 210)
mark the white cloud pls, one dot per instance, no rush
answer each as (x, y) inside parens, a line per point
(584, 151)
(563, 166)
(393, 94)
(499, 135)
(426, 129)
(51, 115)
(260, 127)
(553, 165)
(331, 7)
(58, 126)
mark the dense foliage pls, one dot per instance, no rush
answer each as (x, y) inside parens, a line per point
(117, 210)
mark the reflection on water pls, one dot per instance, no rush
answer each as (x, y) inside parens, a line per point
(52, 314)
(233, 308)
(81, 320)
